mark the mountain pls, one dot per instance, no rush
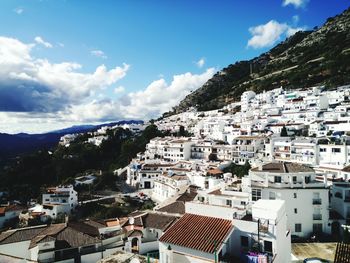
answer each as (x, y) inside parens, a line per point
(86, 128)
(12, 145)
(308, 58)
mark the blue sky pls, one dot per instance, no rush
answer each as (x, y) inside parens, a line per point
(160, 50)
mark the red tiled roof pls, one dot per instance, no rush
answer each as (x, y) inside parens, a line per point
(9, 208)
(198, 232)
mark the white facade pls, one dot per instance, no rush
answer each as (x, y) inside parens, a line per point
(59, 200)
(307, 204)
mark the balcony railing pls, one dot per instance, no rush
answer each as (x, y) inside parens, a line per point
(317, 217)
(317, 201)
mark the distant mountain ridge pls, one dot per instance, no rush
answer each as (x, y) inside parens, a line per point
(308, 58)
(12, 145)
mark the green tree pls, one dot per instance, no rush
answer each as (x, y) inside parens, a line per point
(284, 132)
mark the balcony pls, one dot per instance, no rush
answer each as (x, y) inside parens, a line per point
(317, 217)
(317, 201)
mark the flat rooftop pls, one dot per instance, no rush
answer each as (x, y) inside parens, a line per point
(300, 251)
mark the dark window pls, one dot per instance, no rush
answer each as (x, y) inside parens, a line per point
(335, 150)
(256, 194)
(294, 179)
(278, 179)
(297, 227)
(268, 246)
(295, 195)
(244, 241)
(229, 202)
(295, 211)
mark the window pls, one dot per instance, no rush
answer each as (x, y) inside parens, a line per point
(297, 228)
(294, 179)
(295, 210)
(268, 246)
(336, 150)
(323, 150)
(295, 195)
(278, 179)
(317, 228)
(244, 241)
(272, 195)
(307, 179)
(228, 202)
(256, 194)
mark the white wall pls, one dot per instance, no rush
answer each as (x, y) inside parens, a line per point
(303, 204)
(20, 249)
(210, 210)
(184, 255)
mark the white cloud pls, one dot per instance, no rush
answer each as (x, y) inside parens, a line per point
(37, 95)
(60, 44)
(119, 89)
(98, 53)
(159, 96)
(29, 84)
(41, 41)
(295, 3)
(19, 10)
(270, 33)
(200, 63)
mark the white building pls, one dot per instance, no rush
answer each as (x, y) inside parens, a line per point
(97, 140)
(59, 200)
(67, 139)
(340, 201)
(58, 243)
(212, 234)
(143, 230)
(169, 185)
(307, 204)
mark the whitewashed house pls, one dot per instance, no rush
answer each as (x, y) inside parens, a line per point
(214, 234)
(59, 200)
(306, 199)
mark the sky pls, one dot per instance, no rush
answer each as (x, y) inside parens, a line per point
(70, 62)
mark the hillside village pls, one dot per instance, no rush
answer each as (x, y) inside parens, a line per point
(243, 182)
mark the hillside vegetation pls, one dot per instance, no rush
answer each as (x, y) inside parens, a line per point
(25, 176)
(309, 58)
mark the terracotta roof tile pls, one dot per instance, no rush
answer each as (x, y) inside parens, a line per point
(158, 221)
(198, 232)
(20, 235)
(177, 207)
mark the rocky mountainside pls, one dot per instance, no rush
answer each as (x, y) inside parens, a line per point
(317, 57)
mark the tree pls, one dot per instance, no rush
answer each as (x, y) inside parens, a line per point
(284, 132)
(212, 157)
(182, 131)
(238, 170)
